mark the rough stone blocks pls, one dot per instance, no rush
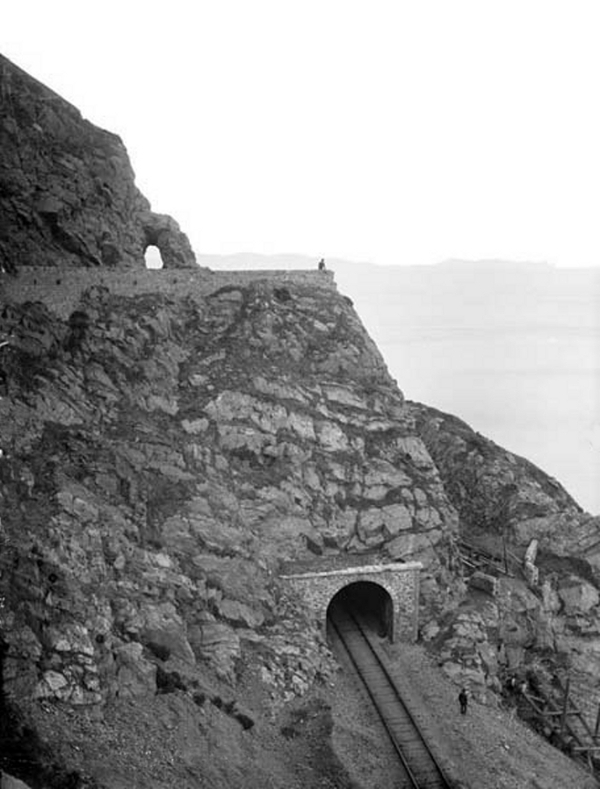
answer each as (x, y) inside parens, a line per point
(400, 581)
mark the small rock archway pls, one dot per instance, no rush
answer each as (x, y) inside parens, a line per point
(163, 232)
(399, 580)
(153, 257)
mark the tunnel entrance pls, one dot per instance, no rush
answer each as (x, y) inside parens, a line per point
(368, 600)
(389, 590)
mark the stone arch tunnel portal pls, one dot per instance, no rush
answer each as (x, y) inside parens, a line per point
(388, 593)
(368, 600)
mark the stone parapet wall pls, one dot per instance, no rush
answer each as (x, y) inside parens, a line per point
(400, 581)
(61, 289)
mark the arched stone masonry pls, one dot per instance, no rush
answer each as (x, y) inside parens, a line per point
(400, 580)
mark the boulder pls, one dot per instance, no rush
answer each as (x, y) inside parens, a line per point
(135, 676)
(71, 638)
(484, 582)
(577, 596)
(383, 522)
(382, 473)
(413, 545)
(331, 437)
(164, 628)
(239, 614)
(216, 643)
(53, 685)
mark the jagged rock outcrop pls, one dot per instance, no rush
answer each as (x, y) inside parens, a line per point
(497, 493)
(167, 444)
(163, 232)
(67, 191)
(162, 457)
(491, 488)
(505, 501)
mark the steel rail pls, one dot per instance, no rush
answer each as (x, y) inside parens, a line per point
(443, 782)
(382, 718)
(419, 763)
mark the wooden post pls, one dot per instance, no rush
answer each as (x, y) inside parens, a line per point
(597, 725)
(564, 709)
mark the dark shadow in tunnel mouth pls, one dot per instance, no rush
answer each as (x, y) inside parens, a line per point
(371, 602)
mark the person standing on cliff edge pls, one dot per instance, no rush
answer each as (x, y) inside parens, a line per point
(463, 700)
(322, 264)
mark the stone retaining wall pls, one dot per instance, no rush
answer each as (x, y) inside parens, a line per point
(400, 580)
(61, 289)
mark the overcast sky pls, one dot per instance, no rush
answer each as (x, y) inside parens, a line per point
(393, 132)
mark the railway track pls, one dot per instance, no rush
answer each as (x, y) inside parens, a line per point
(418, 766)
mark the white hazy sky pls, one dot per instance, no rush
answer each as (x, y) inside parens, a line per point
(394, 132)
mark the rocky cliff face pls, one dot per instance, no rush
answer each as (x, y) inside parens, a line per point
(67, 193)
(547, 631)
(162, 455)
(500, 495)
(168, 440)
